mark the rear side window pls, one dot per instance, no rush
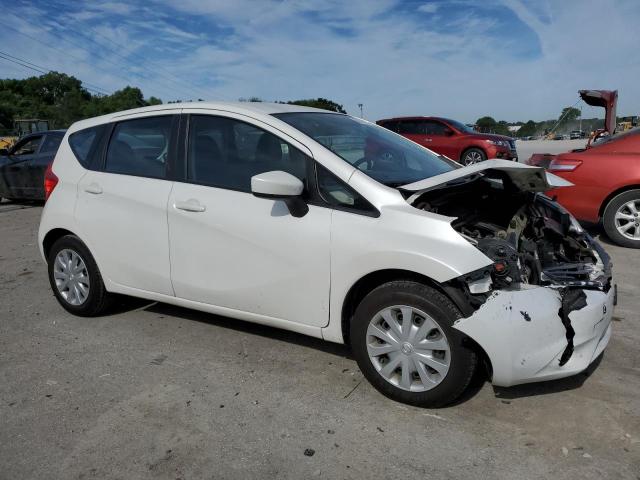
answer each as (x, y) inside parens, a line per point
(412, 127)
(51, 144)
(390, 125)
(140, 147)
(85, 145)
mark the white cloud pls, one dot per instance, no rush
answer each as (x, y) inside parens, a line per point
(355, 52)
(428, 8)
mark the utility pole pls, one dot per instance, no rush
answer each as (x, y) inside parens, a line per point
(580, 119)
(360, 107)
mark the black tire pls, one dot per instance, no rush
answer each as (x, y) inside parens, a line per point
(463, 360)
(98, 300)
(466, 157)
(609, 221)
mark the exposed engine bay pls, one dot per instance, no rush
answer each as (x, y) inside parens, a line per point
(530, 238)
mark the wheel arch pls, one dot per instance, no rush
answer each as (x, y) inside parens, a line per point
(367, 283)
(472, 147)
(51, 237)
(370, 281)
(613, 195)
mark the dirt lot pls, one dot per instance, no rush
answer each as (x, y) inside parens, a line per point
(155, 391)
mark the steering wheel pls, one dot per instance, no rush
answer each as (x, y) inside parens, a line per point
(368, 161)
(382, 157)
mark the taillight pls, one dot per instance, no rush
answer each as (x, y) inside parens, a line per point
(564, 165)
(50, 181)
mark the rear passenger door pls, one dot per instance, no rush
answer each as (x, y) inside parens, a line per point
(413, 130)
(233, 250)
(122, 200)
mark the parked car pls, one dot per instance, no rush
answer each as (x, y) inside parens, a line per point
(605, 180)
(453, 139)
(333, 227)
(22, 167)
(576, 134)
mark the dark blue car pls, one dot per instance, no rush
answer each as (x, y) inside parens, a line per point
(22, 167)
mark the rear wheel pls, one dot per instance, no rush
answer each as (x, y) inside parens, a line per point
(621, 219)
(404, 343)
(75, 279)
(473, 155)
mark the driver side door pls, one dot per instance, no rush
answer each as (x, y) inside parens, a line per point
(441, 139)
(233, 250)
(15, 171)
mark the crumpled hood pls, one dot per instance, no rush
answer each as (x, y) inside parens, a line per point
(525, 177)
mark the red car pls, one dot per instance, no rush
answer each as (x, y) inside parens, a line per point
(605, 175)
(606, 185)
(452, 139)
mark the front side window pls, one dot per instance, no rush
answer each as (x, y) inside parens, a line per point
(226, 153)
(338, 194)
(384, 156)
(27, 147)
(140, 147)
(436, 128)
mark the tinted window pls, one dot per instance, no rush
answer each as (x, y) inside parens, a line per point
(226, 153)
(51, 144)
(412, 127)
(140, 147)
(28, 146)
(391, 125)
(338, 194)
(84, 144)
(435, 128)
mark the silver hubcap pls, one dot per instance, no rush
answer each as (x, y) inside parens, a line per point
(628, 220)
(472, 157)
(71, 276)
(408, 348)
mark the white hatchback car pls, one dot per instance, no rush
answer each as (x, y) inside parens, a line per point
(333, 227)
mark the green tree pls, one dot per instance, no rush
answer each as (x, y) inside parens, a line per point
(568, 114)
(528, 129)
(320, 102)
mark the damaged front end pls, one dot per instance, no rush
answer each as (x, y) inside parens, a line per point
(542, 308)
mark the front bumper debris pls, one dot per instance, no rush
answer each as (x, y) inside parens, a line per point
(537, 333)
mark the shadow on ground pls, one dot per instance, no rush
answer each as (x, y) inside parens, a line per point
(478, 380)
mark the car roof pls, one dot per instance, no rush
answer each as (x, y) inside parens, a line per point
(255, 108)
(411, 118)
(44, 132)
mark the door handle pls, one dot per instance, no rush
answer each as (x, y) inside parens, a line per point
(93, 188)
(191, 205)
(428, 140)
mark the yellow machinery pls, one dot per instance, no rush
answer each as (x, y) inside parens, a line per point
(23, 127)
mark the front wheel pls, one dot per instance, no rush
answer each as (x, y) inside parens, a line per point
(473, 155)
(403, 340)
(75, 279)
(621, 219)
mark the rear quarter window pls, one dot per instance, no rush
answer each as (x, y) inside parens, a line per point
(85, 145)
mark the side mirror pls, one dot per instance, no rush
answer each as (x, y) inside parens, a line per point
(279, 185)
(448, 132)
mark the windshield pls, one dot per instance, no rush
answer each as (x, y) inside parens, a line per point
(459, 126)
(384, 156)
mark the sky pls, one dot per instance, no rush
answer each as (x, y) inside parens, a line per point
(463, 59)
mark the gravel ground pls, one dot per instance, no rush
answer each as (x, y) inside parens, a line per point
(154, 391)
